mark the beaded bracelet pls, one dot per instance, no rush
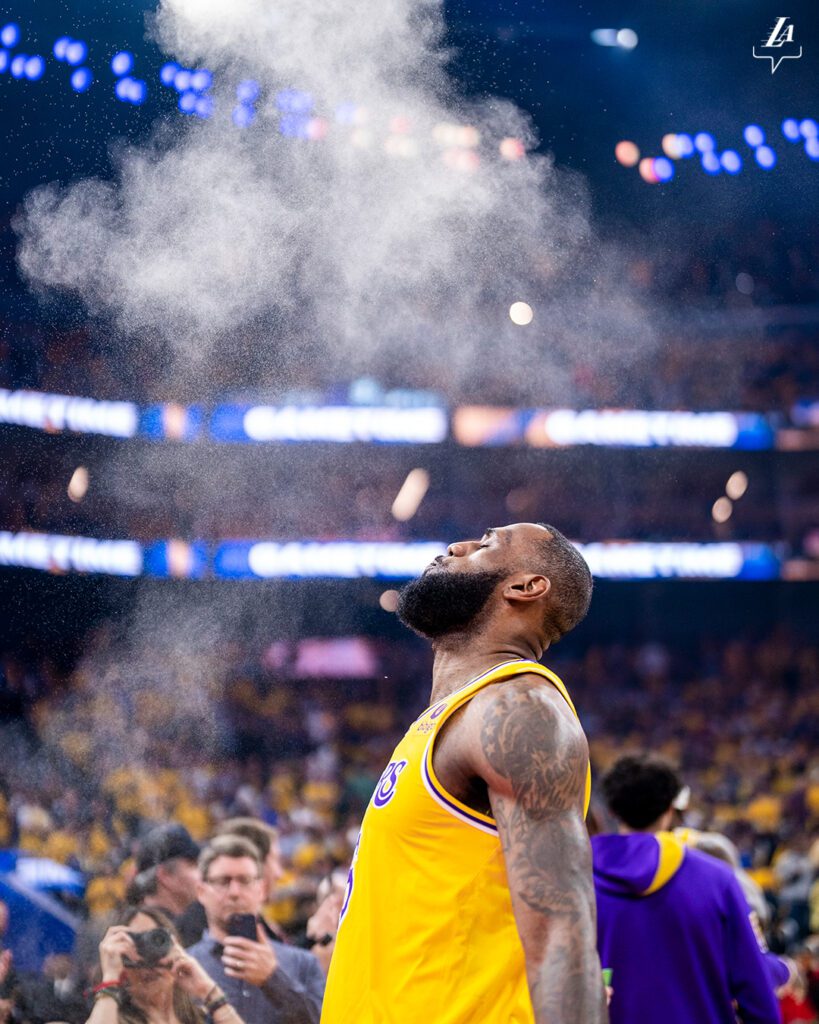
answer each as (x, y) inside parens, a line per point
(217, 1004)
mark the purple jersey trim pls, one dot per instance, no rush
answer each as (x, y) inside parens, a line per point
(459, 812)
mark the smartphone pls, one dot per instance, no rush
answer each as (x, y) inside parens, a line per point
(243, 926)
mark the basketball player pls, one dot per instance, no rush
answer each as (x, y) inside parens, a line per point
(470, 896)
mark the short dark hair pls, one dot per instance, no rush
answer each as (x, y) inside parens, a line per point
(639, 788)
(256, 831)
(227, 846)
(571, 581)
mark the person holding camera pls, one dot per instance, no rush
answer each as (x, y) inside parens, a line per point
(268, 981)
(147, 978)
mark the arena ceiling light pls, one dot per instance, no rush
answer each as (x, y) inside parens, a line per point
(409, 498)
(624, 38)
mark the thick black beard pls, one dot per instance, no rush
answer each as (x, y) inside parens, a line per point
(441, 602)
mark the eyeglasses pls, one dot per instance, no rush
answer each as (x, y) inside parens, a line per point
(223, 881)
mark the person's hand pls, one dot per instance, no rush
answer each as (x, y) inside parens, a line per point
(325, 919)
(189, 974)
(5, 965)
(249, 961)
(116, 943)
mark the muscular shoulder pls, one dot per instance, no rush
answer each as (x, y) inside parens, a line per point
(528, 744)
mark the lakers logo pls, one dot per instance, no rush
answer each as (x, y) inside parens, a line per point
(385, 790)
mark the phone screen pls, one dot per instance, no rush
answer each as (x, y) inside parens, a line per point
(243, 926)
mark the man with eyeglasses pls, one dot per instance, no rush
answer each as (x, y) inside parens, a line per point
(266, 981)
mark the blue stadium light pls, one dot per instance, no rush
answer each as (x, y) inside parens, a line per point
(187, 102)
(765, 157)
(81, 79)
(136, 90)
(10, 34)
(731, 161)
(61, 46)
(34, 68)
(122, 62)
(710, 162)
(292, 101)
(5, 60)
(704, 142)
(243, 115)
(808, 128)
(812, 147)
(167, 73)
(604, 36)
(663, 169)
(18, 66)
(201, 80)
(754, 135)
(247, 91)
(685, 144)
(203, 106)
(76, 52)
(294, 126)
(182, 80)
(790, 129)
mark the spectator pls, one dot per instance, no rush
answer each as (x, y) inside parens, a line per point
(673, 923)
(167, 875)
(267, 981)
(266, 840)
(140, 990)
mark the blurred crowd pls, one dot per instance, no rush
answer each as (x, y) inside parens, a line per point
(97, 757)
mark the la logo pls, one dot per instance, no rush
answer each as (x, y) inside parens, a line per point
(781, 33)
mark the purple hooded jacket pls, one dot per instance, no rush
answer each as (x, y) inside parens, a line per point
(674, 926)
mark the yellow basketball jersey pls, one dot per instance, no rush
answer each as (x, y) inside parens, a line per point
(427, 934)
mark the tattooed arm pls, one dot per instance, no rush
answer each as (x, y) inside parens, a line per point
(534, 757)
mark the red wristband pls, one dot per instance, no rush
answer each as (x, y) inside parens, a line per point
(104, 985)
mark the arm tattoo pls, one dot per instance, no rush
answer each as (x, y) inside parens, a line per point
(540, 751)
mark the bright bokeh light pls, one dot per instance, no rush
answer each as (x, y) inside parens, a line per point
(182, 80)
(627, 153)
(685, 144)
(710, 163)
(737, 485)
(704, 142)
(812, 148)
(663, 169)
(60, 47)
(790, 129)
(34, 68)
(201, 80)
(604, 36)
(10, 34)
(744, 283)
(765, 157)
(247, 91)
(389, 600)
(122, 62)
(203, 107)
(409, 498)
(18, 66)
(808, 128)
(512, 149)
(168, 73)
(5, 60)
(521, 313)
(627, 38)
(243, 115)
(754, 135)
(78, 484)
(671, 146)
(721, 510)
(647, 172)
(81, 79)
(187, 102)
(76, 52)
(731, 161)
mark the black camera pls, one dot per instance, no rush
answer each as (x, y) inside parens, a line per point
(152, 946)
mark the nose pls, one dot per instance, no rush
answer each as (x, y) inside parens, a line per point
(461, 548)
